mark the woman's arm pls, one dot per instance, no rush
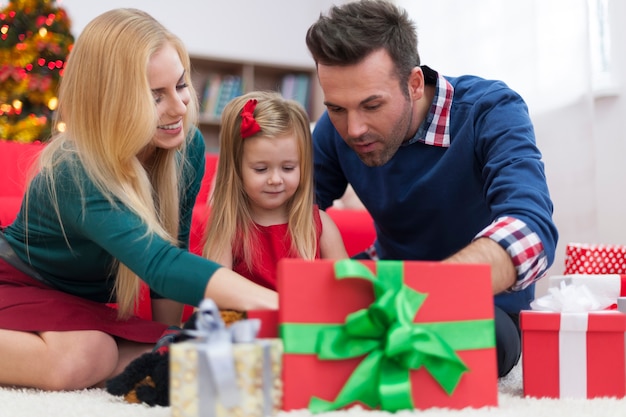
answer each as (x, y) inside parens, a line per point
(231, 291)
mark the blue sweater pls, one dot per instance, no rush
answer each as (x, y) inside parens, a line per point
(428, 202)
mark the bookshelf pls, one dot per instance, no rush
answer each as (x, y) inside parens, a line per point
(216, 81)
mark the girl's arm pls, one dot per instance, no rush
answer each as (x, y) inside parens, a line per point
(331, 242)
(225, 259)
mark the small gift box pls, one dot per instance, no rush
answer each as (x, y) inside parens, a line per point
(584, 258)
(389, 334)
(225, 371)
(608, 287)
(571, 349)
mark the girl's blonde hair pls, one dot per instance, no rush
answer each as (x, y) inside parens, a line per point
(230, 217)
(110, 116)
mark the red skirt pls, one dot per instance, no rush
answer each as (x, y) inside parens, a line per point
(29, 305)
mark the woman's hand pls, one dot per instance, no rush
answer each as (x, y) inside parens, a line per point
(231, 291)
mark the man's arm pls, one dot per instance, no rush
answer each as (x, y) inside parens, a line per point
(330, 182)
(487, 251)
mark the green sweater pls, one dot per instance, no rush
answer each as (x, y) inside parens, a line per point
(77, 257)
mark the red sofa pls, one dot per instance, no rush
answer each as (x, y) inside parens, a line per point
(355, 226)
(15, 162)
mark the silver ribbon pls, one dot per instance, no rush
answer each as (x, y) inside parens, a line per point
(216, 346)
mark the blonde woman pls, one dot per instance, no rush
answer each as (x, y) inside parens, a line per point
(262, 206)
(110, 206)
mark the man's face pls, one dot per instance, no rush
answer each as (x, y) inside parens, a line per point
(367, 107)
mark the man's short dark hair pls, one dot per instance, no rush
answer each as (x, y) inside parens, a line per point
(350, 32)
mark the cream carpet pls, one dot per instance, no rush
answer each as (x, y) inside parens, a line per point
(98, 403)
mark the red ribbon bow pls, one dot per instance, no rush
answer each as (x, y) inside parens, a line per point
(249, 126)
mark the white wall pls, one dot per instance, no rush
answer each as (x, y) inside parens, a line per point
(266, 31)
(610, 140)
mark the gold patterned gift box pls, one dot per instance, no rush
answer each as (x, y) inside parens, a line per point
(214, 377)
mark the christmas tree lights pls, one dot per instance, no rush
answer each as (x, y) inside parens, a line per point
(35, 40)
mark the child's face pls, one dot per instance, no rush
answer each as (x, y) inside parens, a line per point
(271, 175)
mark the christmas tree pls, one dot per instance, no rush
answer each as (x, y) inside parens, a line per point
(35, 41)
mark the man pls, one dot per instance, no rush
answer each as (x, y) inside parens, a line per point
(447, 167)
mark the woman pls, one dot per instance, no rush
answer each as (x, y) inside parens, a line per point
(110, 205)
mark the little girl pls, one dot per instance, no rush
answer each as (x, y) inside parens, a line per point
(262, 206)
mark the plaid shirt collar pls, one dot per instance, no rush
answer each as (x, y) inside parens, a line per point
(435, 129)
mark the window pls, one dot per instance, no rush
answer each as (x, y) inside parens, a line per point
(603, 78)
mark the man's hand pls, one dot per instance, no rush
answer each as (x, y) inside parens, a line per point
(486, 251)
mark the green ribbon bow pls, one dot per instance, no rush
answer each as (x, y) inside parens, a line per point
(392, 344)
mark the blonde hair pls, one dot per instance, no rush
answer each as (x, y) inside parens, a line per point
(230, 217)
(110, 116)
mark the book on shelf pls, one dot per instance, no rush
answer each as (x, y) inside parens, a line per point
(219, 90)
(230, 87)
(302, 91)
(288, 85)
(297, 87)
(209, 96)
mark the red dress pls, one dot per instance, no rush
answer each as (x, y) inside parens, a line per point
(272, 243)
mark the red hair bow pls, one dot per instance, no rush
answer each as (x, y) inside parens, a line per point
(249, 126)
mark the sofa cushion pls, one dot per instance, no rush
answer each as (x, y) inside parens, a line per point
(9, 207)
(356, 227)
(201, 209)
(16, 160)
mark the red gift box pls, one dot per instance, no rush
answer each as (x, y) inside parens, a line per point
(269, 322)
(573, 355)
(584, 258)
(455, 309)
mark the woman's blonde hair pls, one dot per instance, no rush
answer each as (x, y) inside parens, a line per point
(110, 116)
(230, 218)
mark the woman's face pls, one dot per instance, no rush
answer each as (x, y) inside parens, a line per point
(166, 77)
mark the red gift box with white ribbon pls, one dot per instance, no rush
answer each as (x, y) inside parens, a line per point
(573, 353)
(585, 258)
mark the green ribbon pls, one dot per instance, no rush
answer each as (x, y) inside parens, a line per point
(392, 345)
